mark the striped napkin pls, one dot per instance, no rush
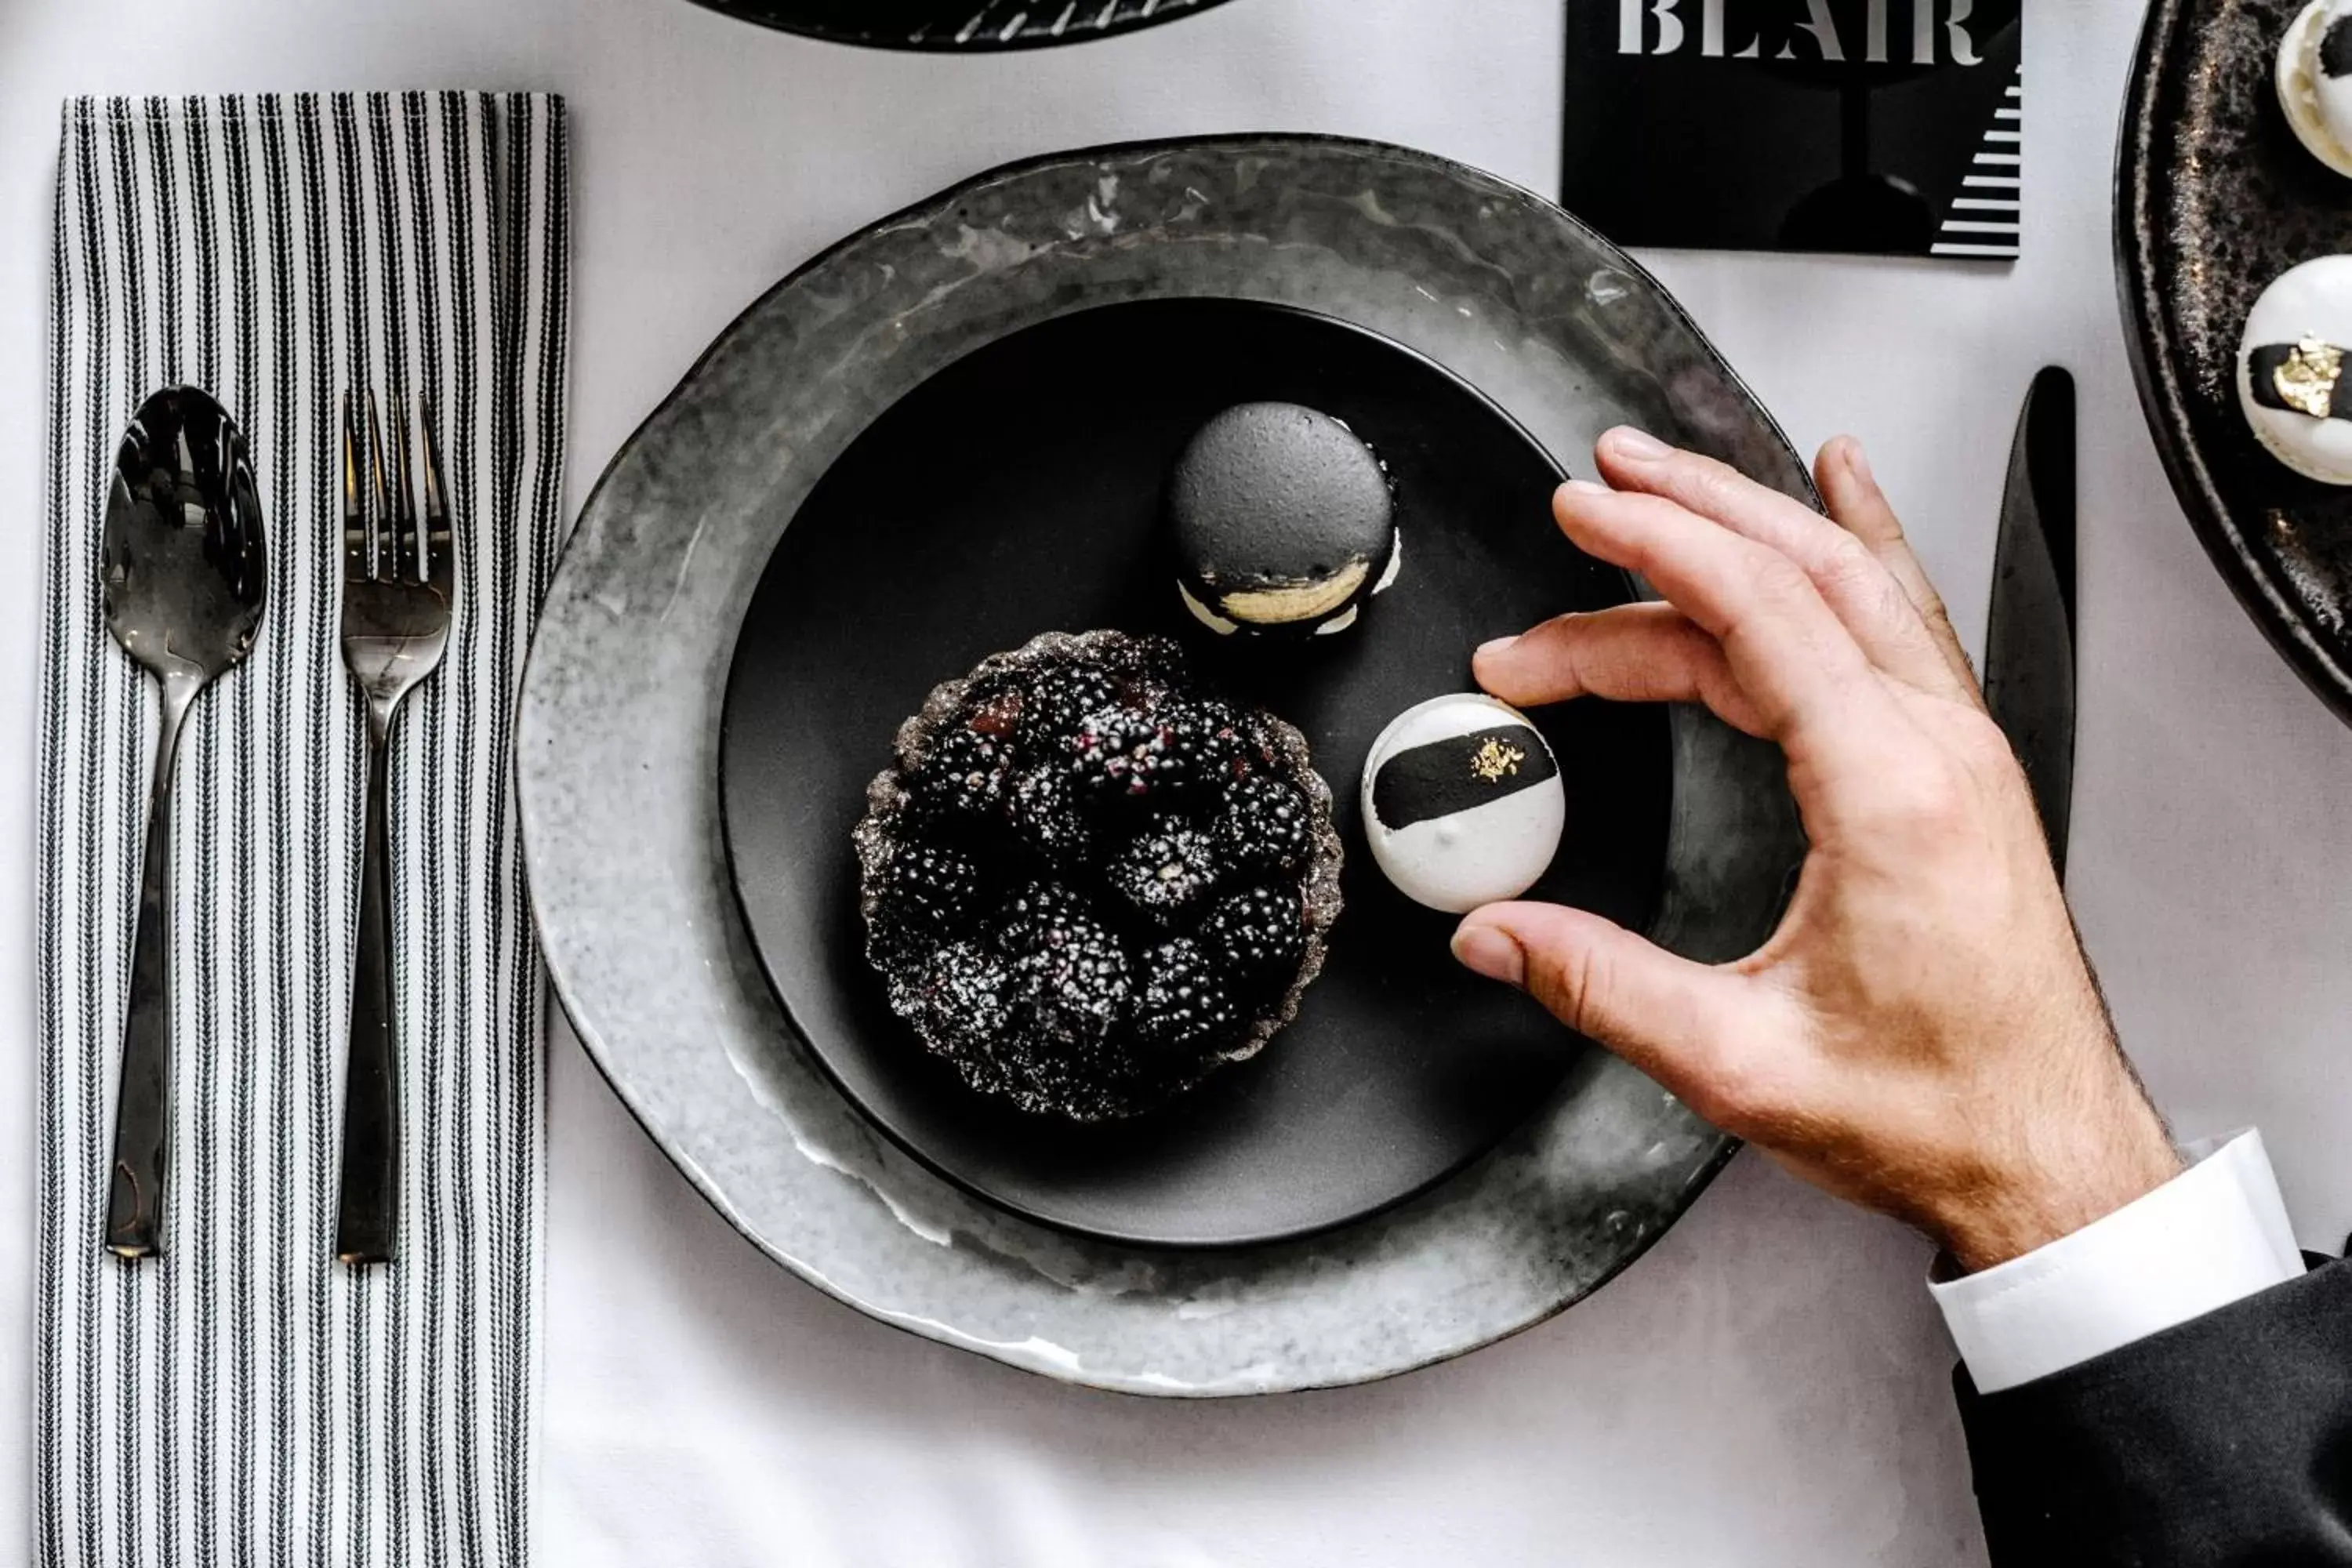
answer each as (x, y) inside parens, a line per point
(244, 1399)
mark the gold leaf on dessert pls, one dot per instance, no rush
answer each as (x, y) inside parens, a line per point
(1495, 759)
(2306, 378)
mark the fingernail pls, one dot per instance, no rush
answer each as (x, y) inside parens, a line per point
(1635, 445)
(1496, 644)
(1855, 460)
(1585, 487)
(1485, 950)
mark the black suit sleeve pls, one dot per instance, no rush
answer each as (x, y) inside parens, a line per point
(2223, 1441)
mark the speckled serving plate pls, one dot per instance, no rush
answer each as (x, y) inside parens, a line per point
(959, 26)
(619, 736)
(2215, 197)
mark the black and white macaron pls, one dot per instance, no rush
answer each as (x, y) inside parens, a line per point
(1283, 522)
(2291, 369)
(1462, 802)
(2313, 77)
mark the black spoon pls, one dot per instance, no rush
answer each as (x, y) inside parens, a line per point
(184, 573)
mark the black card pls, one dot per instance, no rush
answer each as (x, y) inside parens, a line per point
(1884, 126)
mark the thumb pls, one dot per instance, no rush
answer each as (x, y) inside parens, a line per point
(1674, 1018)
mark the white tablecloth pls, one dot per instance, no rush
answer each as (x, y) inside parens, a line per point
(1769, 1386)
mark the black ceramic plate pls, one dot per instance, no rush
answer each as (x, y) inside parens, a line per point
(958, 24)
(1018, 492)
(2214, 198)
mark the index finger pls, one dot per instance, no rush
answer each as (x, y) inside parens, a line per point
(1850, 495)
(1813, 689)
(1856, 584)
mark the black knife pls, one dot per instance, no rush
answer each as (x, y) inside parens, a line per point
(2029, 674)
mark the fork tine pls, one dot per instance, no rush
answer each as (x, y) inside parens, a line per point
(407, 535)
(441, 553)
(359, 546)
(383, 524)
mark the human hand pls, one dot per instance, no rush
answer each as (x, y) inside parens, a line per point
(1922, 1033)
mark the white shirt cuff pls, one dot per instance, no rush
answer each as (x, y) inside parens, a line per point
(2215, 1234)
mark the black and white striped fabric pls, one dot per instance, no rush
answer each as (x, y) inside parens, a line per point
(244, 1399)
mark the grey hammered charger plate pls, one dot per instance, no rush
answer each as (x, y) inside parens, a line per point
(2214, 198)
(620, 757)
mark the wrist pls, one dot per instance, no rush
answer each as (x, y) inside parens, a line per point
(2215, 1234)
(2056, 1190)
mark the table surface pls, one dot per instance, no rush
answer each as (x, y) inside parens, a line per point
(1769, 1386)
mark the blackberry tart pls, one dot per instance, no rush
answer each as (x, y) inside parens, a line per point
(1087, 882)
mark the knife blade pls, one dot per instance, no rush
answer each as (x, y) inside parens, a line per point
(2029, 678)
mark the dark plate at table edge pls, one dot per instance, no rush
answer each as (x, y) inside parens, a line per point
(1703, 1173)
(2283, 615)
(947, 43)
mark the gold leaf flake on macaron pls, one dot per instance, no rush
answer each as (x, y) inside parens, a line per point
(1496, 760)
(2306, 379)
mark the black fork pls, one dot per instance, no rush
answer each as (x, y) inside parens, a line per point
(399, 573)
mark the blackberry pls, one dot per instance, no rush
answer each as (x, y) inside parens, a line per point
(965, 776)
(1044, 807)
(1260, 934)
(1264, 822)
(1056, 702)
(1184, 1005)
(1117, 756)
(1070, 980)
(967, 997)
(928, 892)
(1036, 913)
(1087, 1082)
(1167, 876)
(1231, 744)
